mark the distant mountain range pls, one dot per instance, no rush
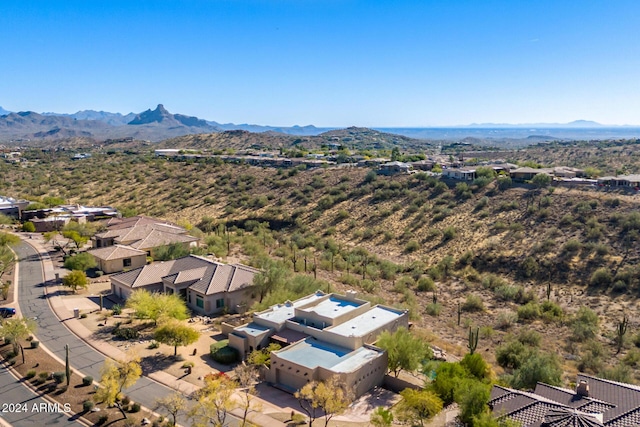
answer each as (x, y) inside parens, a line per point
(159, 124)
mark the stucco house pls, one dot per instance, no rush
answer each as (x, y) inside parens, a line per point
(208, 287)
(395, 167)
(143, 233)
(112, 259)
(323, 335)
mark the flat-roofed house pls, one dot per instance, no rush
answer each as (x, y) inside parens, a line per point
(527, 173)
(207, 286)
(323, 335)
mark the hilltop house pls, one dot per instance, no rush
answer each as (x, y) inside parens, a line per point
(322, 335)
(594, 402)
(207, 286)
(393, 168)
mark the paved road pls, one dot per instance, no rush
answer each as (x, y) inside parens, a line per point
(13, 392)
(54, 335)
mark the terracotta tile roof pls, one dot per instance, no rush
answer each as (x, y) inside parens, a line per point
(618, 404)
(200, 274)
(115, 252)
(156, 238)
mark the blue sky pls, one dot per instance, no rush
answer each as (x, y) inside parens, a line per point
(327, 62)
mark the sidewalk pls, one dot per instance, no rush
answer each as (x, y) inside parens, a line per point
(65, 315)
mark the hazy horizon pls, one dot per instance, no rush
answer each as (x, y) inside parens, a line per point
(330, 63)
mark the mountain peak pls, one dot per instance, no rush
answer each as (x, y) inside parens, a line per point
(159, 115)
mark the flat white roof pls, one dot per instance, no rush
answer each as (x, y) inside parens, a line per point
(312, 353)
(367, 322)
(253, 329)
(282, 312)
(332, 307)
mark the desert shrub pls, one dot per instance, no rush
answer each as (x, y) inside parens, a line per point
(225, 355)
(43, 376)
(585, 324)
(116, 309)
(87, 381)
(632, 358)
(511, 355)
(103, 419)
(591, 357)
(30, 374)
(506, 319)
(537, 367)
(507, 292)
(601, 277)
(433, 309)
(87, 405)
(529, 267)
(412, 246)
(153, 345)
(572, 246)
(551, 310)
(491, 281)
(59, 377)
(426, 284)
(473, 303)
(448, 234)
(135, 407)
(621, 373)
(34, 344)
(529, 312)
(126, 333)
(529, 337)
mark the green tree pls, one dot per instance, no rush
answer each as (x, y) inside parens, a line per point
(8, 239)
(173, 404)
(115, 376)
(273, 276)
(247, 377)
(473, 399)
(262, 356)
(331, 397)
(405, 351)
(585, 324)
(381, 417)
(213, 401)
(417, 406)
(476, 366)
(78, 239)
(541, 180)
(28, 227)
(448, 377)
(17, 329)
(169, 252)
(176, 334)
(538, 367)
(157, 306)
(82, 261)
(77, 279)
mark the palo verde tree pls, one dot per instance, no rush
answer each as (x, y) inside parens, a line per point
(157, 306)
(173, 404)
(330, 397)
(213, 401)
(405, 351)
(17, 329)
(75, 280)
(115, 377)
(417, 406)
(272, 276)
(176, 334)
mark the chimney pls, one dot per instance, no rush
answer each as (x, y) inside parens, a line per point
(582, 389)
(351, 295)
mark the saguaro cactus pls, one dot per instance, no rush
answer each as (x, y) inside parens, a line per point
(473, 340)
(459, 313)
(67, 367)
(548, 290)
(621, 330)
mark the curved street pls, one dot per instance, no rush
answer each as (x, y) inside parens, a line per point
(54, 335)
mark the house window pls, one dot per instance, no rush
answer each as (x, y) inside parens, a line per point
(189, 297)
(199, 302)
(220, 303)
(126, 262)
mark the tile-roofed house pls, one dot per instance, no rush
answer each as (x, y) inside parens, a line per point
(118, 258)
(594, 402)
(143, 233)
(208, 287)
